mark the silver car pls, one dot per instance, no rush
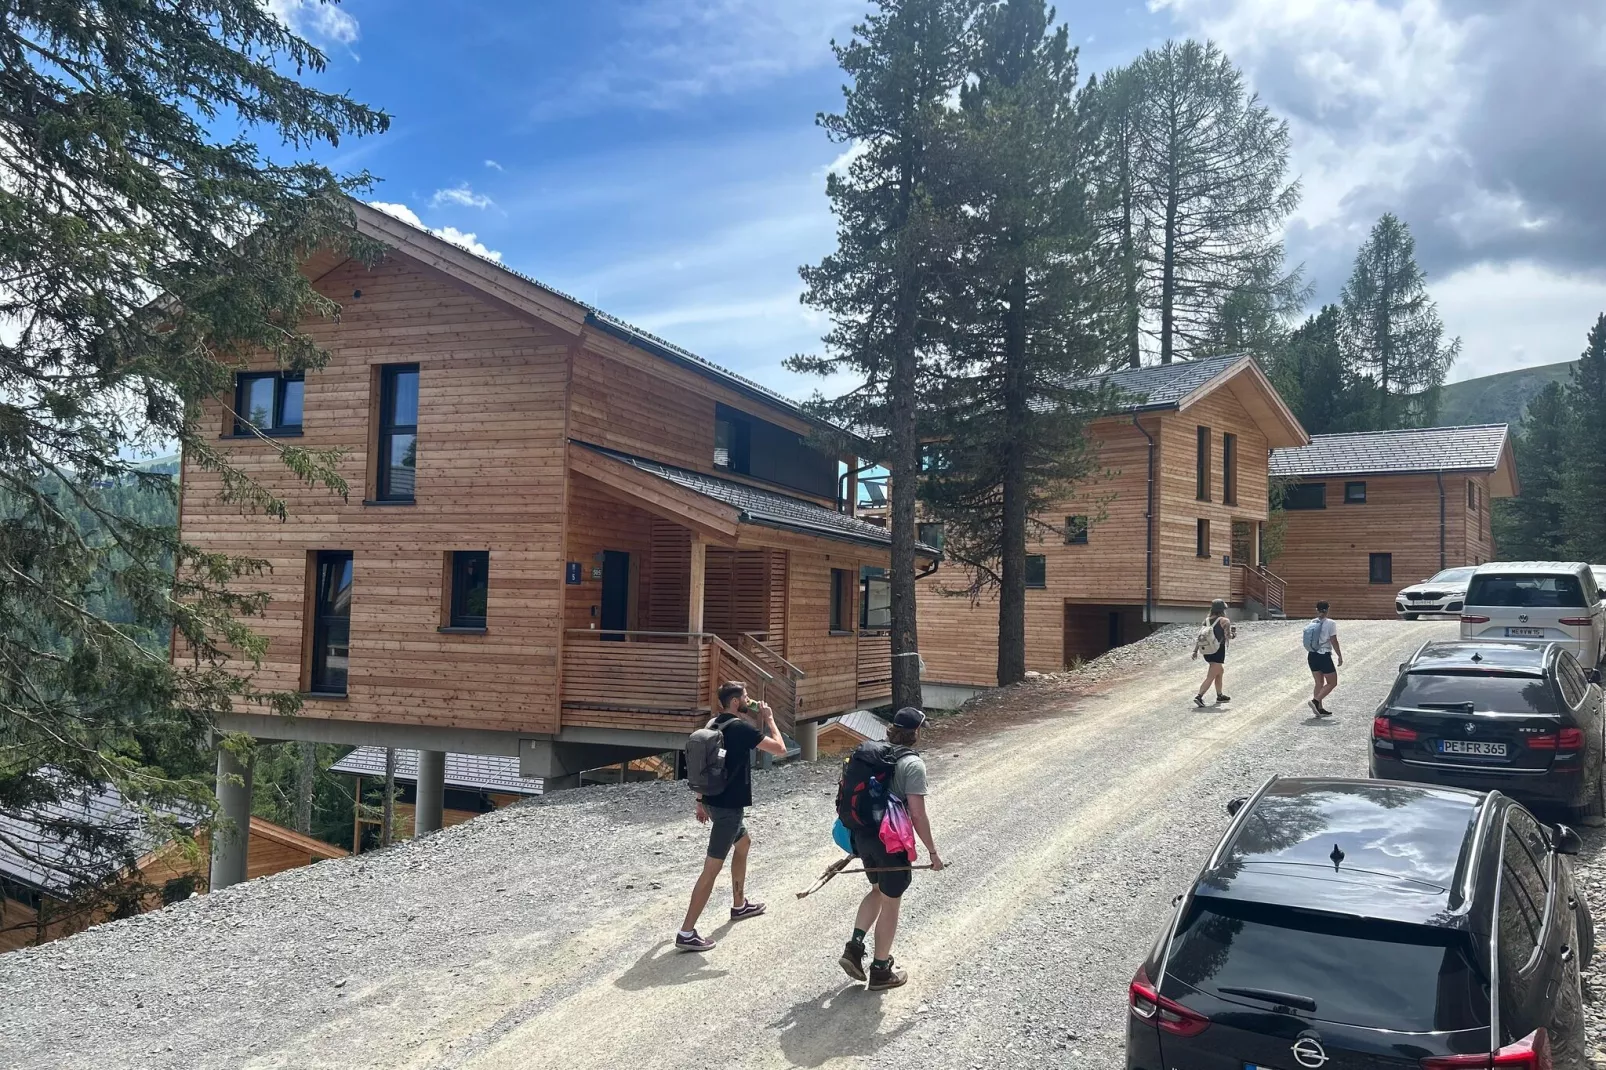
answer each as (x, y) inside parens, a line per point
(1443, 594)
(1538, 601)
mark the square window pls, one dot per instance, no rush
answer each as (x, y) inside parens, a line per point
(397, 442)
(268, 402)
(931, 534)
(330, 619)
(1201, 538)
(1381, 567)
(842, 600)
(1076, 531)
(1355, 493)
(470, 585)
(1036, 570)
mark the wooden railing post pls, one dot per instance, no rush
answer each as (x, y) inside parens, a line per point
(694, 607)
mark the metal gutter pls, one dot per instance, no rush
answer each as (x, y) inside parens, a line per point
(1148, 531)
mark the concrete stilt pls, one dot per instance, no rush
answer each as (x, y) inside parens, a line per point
(429, 808)
(234, 798)
(808, 740)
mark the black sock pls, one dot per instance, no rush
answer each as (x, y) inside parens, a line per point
(880, 964)
(858, 936)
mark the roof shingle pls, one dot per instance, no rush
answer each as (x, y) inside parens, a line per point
(1161, 386)
(475, 772)
(48, 856)
(1430, 449)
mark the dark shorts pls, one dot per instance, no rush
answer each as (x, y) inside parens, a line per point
(1322, 663)
(725, 827)
(868, 846)
(1218, 658)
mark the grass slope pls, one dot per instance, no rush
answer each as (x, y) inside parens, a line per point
(1497, 399)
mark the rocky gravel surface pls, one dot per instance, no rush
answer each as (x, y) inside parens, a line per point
(1070, 810)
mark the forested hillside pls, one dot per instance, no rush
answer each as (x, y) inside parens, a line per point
(1500, 398)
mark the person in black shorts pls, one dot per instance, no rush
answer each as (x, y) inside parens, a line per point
(1216, 660)
(747, 726)
(1322, 670)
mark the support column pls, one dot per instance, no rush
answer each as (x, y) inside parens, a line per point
(234, 803)
(429, 807)
(808, 739)
(699, 562)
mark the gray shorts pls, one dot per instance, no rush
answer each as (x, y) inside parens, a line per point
(724, 829)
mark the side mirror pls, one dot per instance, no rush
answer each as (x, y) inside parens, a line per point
(1234, 805)
(1592, 675)
(1566, 841)
(1404, 665)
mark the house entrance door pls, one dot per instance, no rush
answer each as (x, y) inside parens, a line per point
(615, 593)
(1243, 542)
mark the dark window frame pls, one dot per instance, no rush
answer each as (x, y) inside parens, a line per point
(1076, 529)
(841, 622)
(1292, 501)
(1201, 537)
(242, 424)
(1037, 563)
(317, 671)
(1472, 496)
(869, 574)
(1229, 468)
(922, 530)
(1350, 495)
(1383, 575)
(460, 615)
(1201, 465)
(388, 430)
(934, 457)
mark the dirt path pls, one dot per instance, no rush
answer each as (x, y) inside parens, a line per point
(492, 946)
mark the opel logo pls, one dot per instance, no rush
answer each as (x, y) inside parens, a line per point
(1471, 728)
(1308, 1051)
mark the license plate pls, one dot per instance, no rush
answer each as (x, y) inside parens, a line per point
(1525, 633)
(1467, 746)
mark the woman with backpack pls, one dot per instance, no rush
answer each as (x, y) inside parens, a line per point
(1212, 643)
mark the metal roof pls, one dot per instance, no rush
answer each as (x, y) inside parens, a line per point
(1161, 386)
(1474, 448)
(474, 772)
(764, 507)
(50, 854)
(861, 723)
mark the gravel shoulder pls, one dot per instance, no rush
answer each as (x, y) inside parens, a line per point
(1070, 810)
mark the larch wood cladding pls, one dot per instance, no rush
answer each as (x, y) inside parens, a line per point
(831, 660)
(490, 476)
(598, 522)
(1327, 552)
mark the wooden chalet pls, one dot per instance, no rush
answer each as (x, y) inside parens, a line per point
(562, 532)
(1370, 513)
(840, 734)
(475, 784)
(1174, 520)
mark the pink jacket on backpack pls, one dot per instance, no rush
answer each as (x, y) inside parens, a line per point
(897, 830)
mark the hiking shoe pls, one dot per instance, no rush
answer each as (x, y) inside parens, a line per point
(748, 909)
(693, 942)
(1198, 700)
(1223, 698)
(852, 960)
(885, 977)
(1323, 711)
(1315, 707)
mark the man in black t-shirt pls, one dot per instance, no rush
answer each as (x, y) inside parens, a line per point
(747, 726)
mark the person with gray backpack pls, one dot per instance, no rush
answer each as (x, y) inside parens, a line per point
(719, 768)
(1320, 639)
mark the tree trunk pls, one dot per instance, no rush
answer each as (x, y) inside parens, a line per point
(902, 413)
(306, 785)
(1012, 573)
(1132, 314)
(387, 820)
(1168, 275)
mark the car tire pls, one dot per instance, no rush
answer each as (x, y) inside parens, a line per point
(1586, 931)
(1592, 813)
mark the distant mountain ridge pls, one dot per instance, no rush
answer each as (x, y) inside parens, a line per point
(1501, 398)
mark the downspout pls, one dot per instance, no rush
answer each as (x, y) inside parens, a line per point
(842, 503)
(1148, 532)
(1440, 476)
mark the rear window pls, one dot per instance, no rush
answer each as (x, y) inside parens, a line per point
(1476, 693)
(1526, 591)
(1383, 975)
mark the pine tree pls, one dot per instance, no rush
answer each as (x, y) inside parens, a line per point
(1110, 116)
(1529, 527)
(1391, 331)
(1021, 306)
(1310, 373)
(1582, 485)
(904, 61)
(116, 190)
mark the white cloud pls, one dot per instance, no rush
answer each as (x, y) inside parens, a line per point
(466, 240)
(462, 195)
(1517, 316)
(311, 18)
(493, 165)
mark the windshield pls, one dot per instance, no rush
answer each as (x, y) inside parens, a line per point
(1476, 692)
(1456, 575)
(1526, 590)
(1383, 975)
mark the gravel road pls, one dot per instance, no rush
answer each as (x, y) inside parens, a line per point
(1069, 810)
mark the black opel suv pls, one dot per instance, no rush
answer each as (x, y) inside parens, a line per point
(1349, 924)
(1523, 719)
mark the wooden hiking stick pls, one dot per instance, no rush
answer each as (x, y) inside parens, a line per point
(841, 867)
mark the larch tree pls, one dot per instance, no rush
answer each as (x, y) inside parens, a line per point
(142, 256)
(1392, 333)
(904, 63)
(1021, 310)
(1110, 119)
(1530, 527)
(1582, 486)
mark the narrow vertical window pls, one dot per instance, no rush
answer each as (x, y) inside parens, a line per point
(1076, 531)
(470, 582)
(331, 623)
(1036, 570)
(1229, 469)
(398, 433)
(841, 600)
(1201, 538)
(1201, 468)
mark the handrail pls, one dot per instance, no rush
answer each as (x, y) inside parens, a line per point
(704, 637)
(739, 656)
(753, 637)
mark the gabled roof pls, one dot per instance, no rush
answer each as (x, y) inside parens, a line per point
(1476, 448)
(471, 772)
(861, 723)
(766, 508)
(38, 835)
(1183, 383)
(295, 840)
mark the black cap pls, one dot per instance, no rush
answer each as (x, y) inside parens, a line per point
(908, 717)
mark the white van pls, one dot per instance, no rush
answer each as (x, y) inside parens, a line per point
(1544, 601)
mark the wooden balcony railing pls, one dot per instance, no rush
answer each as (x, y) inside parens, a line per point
(875, 668)
(656, 680)
(781, 691)
(1259, 585)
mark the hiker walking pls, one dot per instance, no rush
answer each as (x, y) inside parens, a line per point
(1321, 646)
(1212, 643)
(719, 765)
(882, 801)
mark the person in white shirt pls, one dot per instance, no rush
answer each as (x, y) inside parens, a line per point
(1322, 669)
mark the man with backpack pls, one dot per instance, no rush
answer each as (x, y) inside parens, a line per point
(880, 781)
(1321, 645)
(719, 767)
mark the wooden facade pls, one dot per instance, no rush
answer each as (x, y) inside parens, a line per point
(1094, 595)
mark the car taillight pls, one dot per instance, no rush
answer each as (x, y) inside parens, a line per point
(1576, 622)
(1473, 618)
(1567, 739)
(1532, 1052)
(1150, 1006)
(1383, 728)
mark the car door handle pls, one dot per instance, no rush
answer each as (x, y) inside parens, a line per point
(1566, 953)
(1572, 902)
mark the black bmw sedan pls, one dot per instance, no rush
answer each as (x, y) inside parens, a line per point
(1343, 924)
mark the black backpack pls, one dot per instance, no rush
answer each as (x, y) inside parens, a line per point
(861, 794)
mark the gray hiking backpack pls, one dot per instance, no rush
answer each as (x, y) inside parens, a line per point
(705, 759)
(1312, 635)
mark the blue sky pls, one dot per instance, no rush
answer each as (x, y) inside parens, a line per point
(659, 158)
